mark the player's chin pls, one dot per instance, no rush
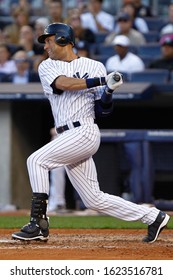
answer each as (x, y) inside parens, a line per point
(51, 55)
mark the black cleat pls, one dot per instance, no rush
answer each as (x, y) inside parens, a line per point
(155, 228)
(33, 231)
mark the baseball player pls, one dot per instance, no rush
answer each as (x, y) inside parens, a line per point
(78, 88)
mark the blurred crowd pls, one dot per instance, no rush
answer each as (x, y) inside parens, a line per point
(95, 29)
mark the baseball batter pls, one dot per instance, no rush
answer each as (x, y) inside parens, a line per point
(77, 88)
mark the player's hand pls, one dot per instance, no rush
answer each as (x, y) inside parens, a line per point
(114, 80)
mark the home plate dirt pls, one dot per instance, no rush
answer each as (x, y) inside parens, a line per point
(88, 244)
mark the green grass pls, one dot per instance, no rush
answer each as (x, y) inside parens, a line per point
(75, 222)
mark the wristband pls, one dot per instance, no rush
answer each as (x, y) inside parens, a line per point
(107, 96)
(95, 82)
(108, 91)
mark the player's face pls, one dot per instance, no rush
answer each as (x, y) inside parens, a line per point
(54, 50)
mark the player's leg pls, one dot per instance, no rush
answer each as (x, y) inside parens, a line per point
(71, 146)
(84, 178)
(38, 227)
(61, 151)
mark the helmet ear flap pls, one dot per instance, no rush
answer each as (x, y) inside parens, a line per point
(61, 40)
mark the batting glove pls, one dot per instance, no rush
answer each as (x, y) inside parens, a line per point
(113, 80)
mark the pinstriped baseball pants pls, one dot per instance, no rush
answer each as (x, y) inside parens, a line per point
(74, 149)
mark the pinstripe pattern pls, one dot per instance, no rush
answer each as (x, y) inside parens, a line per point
(87, 186)
(72, 105)
(75, 147)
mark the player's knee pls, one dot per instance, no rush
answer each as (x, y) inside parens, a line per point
(32, 160)
(29, 160)
(94, 203)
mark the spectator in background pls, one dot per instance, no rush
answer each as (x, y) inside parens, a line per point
(123, 61)
(168, 26)
(37, 7)
(125, 24)
(5, 39)
(55, 11)
(20, 18)
(23, 73)
(8, 6)
(23, 4)
(166, 61)
(35, 51)
(96, 19)
(139, 23)
(39, 25)
(142, 10)
(82, 6)
(82, 48)
(81, 33)
(7, 65)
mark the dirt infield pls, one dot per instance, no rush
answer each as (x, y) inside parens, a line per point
(88, 244)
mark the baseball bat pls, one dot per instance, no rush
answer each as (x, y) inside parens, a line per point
(117, 78)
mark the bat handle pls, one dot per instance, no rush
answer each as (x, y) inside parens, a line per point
(117, 77)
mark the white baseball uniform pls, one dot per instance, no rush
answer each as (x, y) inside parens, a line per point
(75, 147)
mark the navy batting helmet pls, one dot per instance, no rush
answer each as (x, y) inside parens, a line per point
(64, 34)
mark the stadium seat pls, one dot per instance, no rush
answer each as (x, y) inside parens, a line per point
(154, 76)
(154, 23)
(150, 49)
(133, 49)
(102, 49)
(2, 75)
(147, 59)
(151, 36)
(101, 58)
(109, 50)
(92, 48)
(100, 37)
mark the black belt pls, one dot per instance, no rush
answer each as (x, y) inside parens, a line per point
(63, 128)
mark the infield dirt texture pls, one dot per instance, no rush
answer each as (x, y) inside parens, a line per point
(88, 244)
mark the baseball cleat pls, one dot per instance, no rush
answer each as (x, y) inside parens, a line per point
(33, 231)
(155, 228)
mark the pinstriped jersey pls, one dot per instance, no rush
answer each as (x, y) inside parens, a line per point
(71, 105)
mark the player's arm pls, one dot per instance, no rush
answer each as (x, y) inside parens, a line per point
(104, 106)
(67, 83)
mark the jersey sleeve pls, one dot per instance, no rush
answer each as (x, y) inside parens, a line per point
(48, 72)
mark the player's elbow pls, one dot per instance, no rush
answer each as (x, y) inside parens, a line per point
(62, 83)
(63, 87)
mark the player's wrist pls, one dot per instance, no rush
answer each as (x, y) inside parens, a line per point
(107, 95)
(108, 90)
(95, 82)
